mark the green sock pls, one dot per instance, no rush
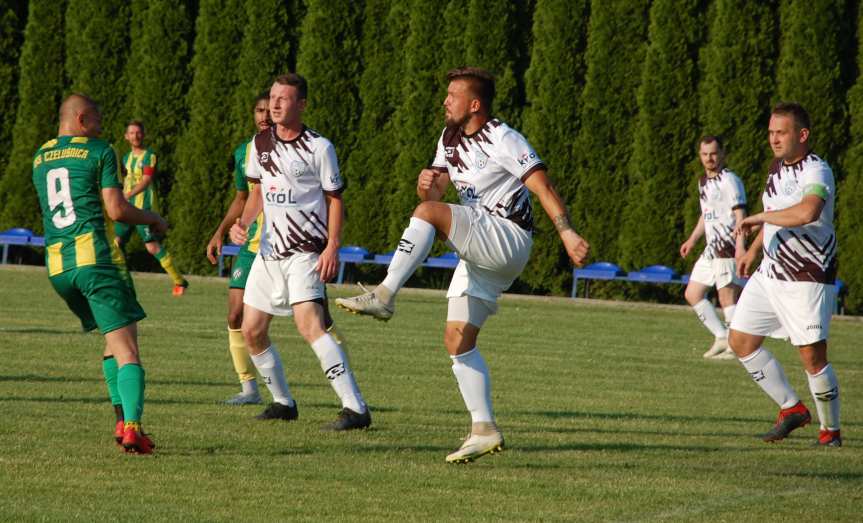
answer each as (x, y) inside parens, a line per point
(130, 379)
(109, 369)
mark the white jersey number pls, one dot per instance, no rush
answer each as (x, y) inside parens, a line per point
(60, 198)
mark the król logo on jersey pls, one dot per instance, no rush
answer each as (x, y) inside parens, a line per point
(480, 159)
(526, 157)
(278, 197)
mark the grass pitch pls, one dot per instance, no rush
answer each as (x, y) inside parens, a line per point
(609, 414)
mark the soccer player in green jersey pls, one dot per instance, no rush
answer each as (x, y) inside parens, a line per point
(74, 175)
(139, 167)
(248, 394)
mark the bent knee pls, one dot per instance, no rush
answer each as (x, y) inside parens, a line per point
(235, 319)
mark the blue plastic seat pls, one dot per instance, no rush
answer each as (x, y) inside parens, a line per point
(444, 261)
(15, 236)
(654, 274)
(353, 254)
(600, 271)
(383, 259)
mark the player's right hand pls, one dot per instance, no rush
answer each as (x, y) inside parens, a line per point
(685, 249)
(214, 248)
(745, 262)
(238, 233)
(426, 179)
(576, 247)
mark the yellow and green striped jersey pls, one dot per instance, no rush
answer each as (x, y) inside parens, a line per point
(136, 166)
(69, 173)
(241, 184)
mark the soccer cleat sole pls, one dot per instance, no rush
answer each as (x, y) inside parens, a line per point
(470, 459)
(357, 313)
(771, 437)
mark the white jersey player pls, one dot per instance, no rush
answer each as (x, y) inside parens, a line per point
(723, 205)
(298, 186)
(494, 169)
(794, 286)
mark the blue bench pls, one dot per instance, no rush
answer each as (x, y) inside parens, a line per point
(18, 236)
(609, 271)
(358, 255)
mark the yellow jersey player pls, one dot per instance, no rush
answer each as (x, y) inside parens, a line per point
(139, 167)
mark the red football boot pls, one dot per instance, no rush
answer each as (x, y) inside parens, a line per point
(135, 441)
(788, 420)
(829, 438)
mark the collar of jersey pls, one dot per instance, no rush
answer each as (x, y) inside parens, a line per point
(276, 135)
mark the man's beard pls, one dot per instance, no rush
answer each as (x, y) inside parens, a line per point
(452, 123)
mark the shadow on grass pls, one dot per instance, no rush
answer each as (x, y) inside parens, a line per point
(765, 420)
(42, 330)
(588, 430)
(627, 447)
(841, 476)
(100, 399)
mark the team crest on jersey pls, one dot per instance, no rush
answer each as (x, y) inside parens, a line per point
(265, 157)
(237, 274)
(480, 159)
(449, 151)
(298, 168)
(789, 186)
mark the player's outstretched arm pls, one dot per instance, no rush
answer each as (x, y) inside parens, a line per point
(253, 207)
(689, 244)
(214, 247)
(328, 261)
(807, 211)
(120, 210)
(432, 184)
(539, 184)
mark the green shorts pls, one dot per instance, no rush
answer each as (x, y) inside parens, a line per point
(123, 231)
(100, 296)
(240, 269)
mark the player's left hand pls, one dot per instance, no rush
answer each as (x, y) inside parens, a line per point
(749, 225)
(328, 263)
(576, 247)
(214, 248)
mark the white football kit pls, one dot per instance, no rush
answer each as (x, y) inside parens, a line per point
(794, 286)
(292, 177)
(492, 228)
(719, 197)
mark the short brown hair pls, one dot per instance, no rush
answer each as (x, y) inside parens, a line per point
(796, 112)
(263, 95)
(137, 123)
(481, 83)
(295, 80)
(708, 139)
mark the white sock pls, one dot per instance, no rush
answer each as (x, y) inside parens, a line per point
(269, 366)
(336, 368)
(250, 386)
(825, 391)
(474, 383)
(766, 371)
(707, 314)
(728, 312)
(413, 249)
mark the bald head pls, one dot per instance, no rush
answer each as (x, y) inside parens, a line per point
(79, 116)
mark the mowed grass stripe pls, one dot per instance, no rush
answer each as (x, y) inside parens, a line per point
(609, 412)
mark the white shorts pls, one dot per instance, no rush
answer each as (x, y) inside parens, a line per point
(274, 285)
(493, 253)
(802, 309)
(720, 272)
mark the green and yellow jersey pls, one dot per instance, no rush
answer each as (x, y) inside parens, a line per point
(137, 166)
(69, 173)
(242, 184)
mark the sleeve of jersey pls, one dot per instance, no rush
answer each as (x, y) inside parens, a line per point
(518, 157)
(238, 165)
(110, 175)
(252, 168)
(738, 194)
(818, 181)
(150, 168)
(331, 179)
(439, 161)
